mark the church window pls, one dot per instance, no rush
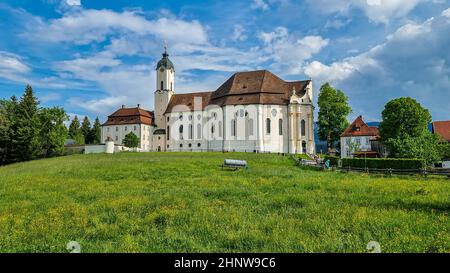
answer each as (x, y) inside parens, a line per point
(190, 117)
(126, 128)
(199, 117)
(199, 145)
(191, 133)
(190, 145)
(181, 131)
(303, 127)
(162, 85)
(107, 129)
(268, 126)
(220, 128)
(117, 138)
(233, 127)
(181, 145)
(117, 129)
(135, 128)
(250, 127)
(181, 117)
(199, 131)
(168, 132)
(168, 119)
(280, 127)
(212, 129)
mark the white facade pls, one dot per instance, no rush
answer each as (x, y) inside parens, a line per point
(349, 145)
(243, 128)
(283, 124)
(118, 132)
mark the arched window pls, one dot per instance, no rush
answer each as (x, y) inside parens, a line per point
(303, 127)
(280, 127)
(191, 133)
(181, 132)
(268, 126)
(212, 130)
(220, 128)
(168, 132)
(250, 127)
(233, 127)
(199, 131)
(162, 85)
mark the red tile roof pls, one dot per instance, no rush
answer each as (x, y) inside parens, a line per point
(360, 128)
(243, 88)
(187, 100)
(442, 128)
(130, 116)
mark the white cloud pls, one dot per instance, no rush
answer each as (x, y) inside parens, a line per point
(12, 67)
(86, 26)
(379, 11)
(289, 52)
(413, 61)
(446, 13)
(73, 2)
(12, 62)
(260, 4)
(239, 33)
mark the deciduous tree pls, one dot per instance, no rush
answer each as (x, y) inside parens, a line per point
(333, 112)
(131, 140)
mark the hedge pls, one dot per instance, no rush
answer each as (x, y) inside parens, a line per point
(334, 160)
(384, 163)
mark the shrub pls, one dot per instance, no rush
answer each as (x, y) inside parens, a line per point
(384, 163)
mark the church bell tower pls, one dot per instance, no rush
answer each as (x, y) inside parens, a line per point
(165, 86)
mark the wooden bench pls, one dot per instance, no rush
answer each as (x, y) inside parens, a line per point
(235, 164)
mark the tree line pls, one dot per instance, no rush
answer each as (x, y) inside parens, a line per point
(84, 133)
(28, 131)
(403, 129)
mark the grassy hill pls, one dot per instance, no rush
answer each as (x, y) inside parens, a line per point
(184, 202)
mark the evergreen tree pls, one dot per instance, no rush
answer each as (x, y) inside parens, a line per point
(27, 126)
(95, 132)
(85, 130)
(53, 132)
(75, 131)
(333, 113)
(5, 125)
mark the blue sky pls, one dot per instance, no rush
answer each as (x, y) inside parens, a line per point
(92, 56)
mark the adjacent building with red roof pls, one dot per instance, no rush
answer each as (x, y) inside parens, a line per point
(126, 120)
(442, 128)
(360, 140)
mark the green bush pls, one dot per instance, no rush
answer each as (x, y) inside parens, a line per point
(334, 160)
(384, 163)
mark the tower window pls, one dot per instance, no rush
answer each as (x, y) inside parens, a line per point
(303, 127)
(268, 126)
(162, 85)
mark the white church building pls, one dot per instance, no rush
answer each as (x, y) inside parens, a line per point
(252, 111)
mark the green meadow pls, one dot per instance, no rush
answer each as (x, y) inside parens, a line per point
(185, 202)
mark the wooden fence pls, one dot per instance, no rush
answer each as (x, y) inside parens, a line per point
(423, 172)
